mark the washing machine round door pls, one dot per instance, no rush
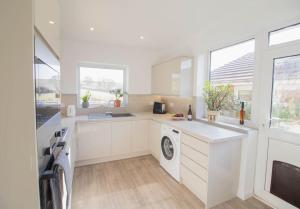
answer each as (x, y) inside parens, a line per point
(167, 148)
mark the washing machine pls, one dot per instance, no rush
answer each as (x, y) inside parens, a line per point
(170, 150)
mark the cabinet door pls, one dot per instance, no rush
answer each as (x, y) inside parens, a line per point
(154, 139)
(121, 137)
(166, 78)
(174, 77)
(94, 140)
(140, 136)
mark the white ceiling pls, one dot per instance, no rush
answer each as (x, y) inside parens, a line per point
(164, 23)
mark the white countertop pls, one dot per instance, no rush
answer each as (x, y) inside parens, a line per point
(200, 130)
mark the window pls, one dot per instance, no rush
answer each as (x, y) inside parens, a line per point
(235, 65)
(286, 94)
(284, 35)
(99, 81)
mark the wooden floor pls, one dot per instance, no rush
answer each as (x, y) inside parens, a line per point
(137, 183)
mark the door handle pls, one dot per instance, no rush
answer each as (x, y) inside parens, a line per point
(267, 122)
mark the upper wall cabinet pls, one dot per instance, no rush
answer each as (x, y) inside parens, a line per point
(47, 21)
(174, 77)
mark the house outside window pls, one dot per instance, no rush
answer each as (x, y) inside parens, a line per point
(235, 65)
(99, 81)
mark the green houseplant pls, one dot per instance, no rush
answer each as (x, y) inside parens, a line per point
(85, 99)
(119, 94)
(216, 98)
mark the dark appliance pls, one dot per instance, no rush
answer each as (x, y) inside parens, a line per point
(47, 86)
(159, 108)
(52, 184)
(47, 100)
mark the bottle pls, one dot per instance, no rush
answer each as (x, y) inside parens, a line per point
(242, 113)
(190, 114)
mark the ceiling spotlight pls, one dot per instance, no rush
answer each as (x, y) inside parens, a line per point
(142, 37)
(51, 22)
(92, 29)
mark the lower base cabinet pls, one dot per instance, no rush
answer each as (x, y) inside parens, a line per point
(93, 140)
(140, 133)
(210, 170)
(194, 183)
(121, 137)
(111, 140)
(154, 138)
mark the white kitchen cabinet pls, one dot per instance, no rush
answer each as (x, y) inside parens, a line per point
(205, 166)
(154, 138)
(121, 137)
(94, 140)
(174, 77)
(47, 21)
(140, 130)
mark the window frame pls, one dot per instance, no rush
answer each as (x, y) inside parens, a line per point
(124, 68)
(226, 119)
(278, 29)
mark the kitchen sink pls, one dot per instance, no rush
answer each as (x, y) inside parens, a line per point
(108, 115)
(116, 115)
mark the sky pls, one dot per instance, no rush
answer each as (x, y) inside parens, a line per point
(285, 35)
(99, 74)
(223, 56)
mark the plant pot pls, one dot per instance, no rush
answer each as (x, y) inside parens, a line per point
(85, 104)
(212, 116)
(117, 103)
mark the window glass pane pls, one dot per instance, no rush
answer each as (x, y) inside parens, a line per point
(286, 94)
(285, 35)
(99, 82)
(235, 65)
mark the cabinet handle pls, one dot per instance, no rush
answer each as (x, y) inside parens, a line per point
(175, 131)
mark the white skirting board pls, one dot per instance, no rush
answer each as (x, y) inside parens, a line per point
(111, 158)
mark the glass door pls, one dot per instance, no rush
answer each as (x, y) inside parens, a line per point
(285, 106)
(279, 131)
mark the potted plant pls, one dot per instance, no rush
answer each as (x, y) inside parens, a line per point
(118, 95)
(216, 98)
(85, 99)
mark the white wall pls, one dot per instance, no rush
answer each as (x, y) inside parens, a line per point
(139, 62)
(18, 161)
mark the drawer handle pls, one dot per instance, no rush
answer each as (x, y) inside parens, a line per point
(175, 131)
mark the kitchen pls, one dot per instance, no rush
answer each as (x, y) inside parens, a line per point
(150, 104)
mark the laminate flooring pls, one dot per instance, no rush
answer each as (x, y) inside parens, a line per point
(138, 183)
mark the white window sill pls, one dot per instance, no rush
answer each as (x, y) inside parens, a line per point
(101, 107)
(235, 127)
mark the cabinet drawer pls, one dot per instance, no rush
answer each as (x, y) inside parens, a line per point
(196, 156)
(194, 183)
(194, 167)
(195, 143)
(88, 127)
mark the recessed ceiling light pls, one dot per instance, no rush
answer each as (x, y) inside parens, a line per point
(142, 37)
(91, 28)
(51, 22)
